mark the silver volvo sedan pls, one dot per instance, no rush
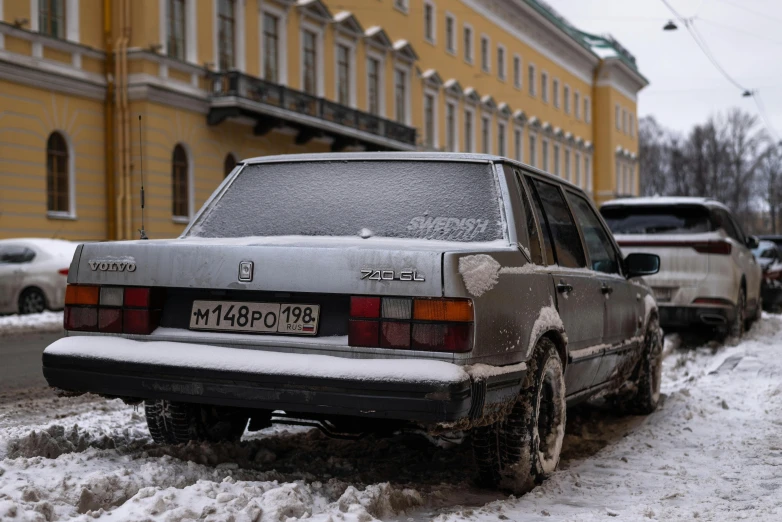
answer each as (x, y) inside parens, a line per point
(371, 292)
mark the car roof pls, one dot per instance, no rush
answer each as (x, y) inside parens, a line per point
(765, 244)
(50, 246)
(664, 201)
(399, 156)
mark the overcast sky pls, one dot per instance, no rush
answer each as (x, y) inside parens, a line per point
(685, 88)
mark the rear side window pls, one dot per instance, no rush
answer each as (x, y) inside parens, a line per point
(532, 228)
(16, 254)
(657, 219)
(547, 243)
(567, 242)
(602, 254)
(444, 200)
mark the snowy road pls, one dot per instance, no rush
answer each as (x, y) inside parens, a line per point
(712, 452)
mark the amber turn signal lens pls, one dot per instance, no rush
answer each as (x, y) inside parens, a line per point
(456, 310)
(82, 295)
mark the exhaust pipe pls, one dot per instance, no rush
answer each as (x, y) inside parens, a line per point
(714, 319)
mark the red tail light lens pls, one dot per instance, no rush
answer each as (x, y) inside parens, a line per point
(112, 309)
(137, 297)
(80, 318)
(364, 307)
(363, 333)
(63, 271)
(141, 322)
(712, 301)
(110, 320)
(713, 247)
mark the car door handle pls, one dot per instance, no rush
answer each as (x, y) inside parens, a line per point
(607, 289)
(563, 287)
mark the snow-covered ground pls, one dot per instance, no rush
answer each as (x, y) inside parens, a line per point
(21, 324)
(713, 451)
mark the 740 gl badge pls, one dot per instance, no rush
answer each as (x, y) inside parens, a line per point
(390, 275)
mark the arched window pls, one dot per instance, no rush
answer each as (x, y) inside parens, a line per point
(229, 164)
(57, 179)
(180, 202)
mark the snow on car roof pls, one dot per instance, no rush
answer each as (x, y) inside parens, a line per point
(53, 247)
(659, 200)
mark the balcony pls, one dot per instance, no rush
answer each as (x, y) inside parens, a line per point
(270, 105)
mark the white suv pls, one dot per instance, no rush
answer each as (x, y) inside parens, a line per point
(708, 275)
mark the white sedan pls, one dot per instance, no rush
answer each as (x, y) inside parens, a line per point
(33, 273)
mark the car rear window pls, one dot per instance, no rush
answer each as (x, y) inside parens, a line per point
(668, 219)
(454, 201)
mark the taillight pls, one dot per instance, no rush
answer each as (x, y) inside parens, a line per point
(63, 271)
(712, 301)
(112, 309)
(713, 247)
(405, 323)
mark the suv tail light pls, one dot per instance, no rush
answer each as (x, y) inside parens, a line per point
(713, 247)
(112, 309)
(444, 325)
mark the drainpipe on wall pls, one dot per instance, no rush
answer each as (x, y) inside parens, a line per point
(108, 119)
(126, 121)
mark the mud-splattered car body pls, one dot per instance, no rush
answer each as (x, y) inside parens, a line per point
(432, 276)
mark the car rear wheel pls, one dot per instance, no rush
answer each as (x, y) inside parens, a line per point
(737, 326)
(178, 422)
(523, 449)
(32, 301)
(641, 395)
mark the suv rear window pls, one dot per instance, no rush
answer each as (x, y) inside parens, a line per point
(453, 201)
(667, 219)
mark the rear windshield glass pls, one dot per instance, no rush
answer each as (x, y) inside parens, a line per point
(454, 201)
(669, 219)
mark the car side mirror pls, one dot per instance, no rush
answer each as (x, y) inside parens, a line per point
(637, 265)
(752, 242)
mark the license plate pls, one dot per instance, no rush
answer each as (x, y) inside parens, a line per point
(663, 294)
(281, 318)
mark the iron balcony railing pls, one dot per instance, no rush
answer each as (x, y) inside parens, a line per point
(235, 83)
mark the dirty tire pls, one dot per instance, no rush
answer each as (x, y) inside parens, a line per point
(32, 301)
(523, 449)
(758, 312)
(736, 327)
(643, 393)
(178, 422)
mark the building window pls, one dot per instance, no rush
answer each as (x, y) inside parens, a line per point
(343, 74)
(577, 160)
(228, 164)
(531, 79)
(450, 127)
(544, 154)
(175, 42)
(226, 41)
(271, 48)
(517, 71)
(555, 92)
(373, 86)
(544, 86)
(567, 164)
(486, 135)
(429, 121)
(577, 105)
(587, 175)
(566, 97)
(468, 131)
(517, 140)
(51, 17)
(632, 126)
(533, 150)
(557, 171)
(58, 191)
(450, 34)
(501, 139)
(618, 117)
(501, 62)
(619, 187)
(310, 62)
(468, 44)
(587, 110)
(485, 65)
(400, 95)
(429, 22)
(624, 121)
(180, 190)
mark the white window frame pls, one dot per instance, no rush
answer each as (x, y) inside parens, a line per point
(191, 51)
(518, 144)
(624, 120)
(351, 45)
(587, 109)
(486, 116)
(502, 65)
(544, 86)
(618, 117)
(282, 41)
(577, 104)
(71, 213)
(588, 173)
(555, 92)
(433, 39)
(451, 47)
(380, 57)
(239, 39)
(319, 49)
(452, 102)
(632, 124)
(577, 179)
(428, 91)
(471, 110)
(71, 22)
(518, 71)
(532, 138)
(402, 5)
(407, 69)
(532, 79)
(485, 65)
(469, 50)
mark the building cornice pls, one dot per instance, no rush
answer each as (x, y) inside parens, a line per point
(51, 76)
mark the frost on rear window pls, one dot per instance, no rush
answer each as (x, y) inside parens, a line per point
(453, 201)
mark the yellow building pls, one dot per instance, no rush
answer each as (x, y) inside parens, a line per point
(86, 85)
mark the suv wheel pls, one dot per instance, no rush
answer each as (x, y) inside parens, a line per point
(736, 327)
(641, 394)
(32, 301)
(523, 449)
(178, 422)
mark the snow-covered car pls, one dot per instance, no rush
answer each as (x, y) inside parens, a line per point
(770, 261)
(371, 292)
(708, 275)
(33, 274)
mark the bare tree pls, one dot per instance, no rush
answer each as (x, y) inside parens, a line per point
(770, 180)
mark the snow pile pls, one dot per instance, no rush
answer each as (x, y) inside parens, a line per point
(548, 319)
(479, 272)
(21, 324)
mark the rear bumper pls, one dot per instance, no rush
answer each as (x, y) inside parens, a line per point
(449, 395)
(672, 317)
